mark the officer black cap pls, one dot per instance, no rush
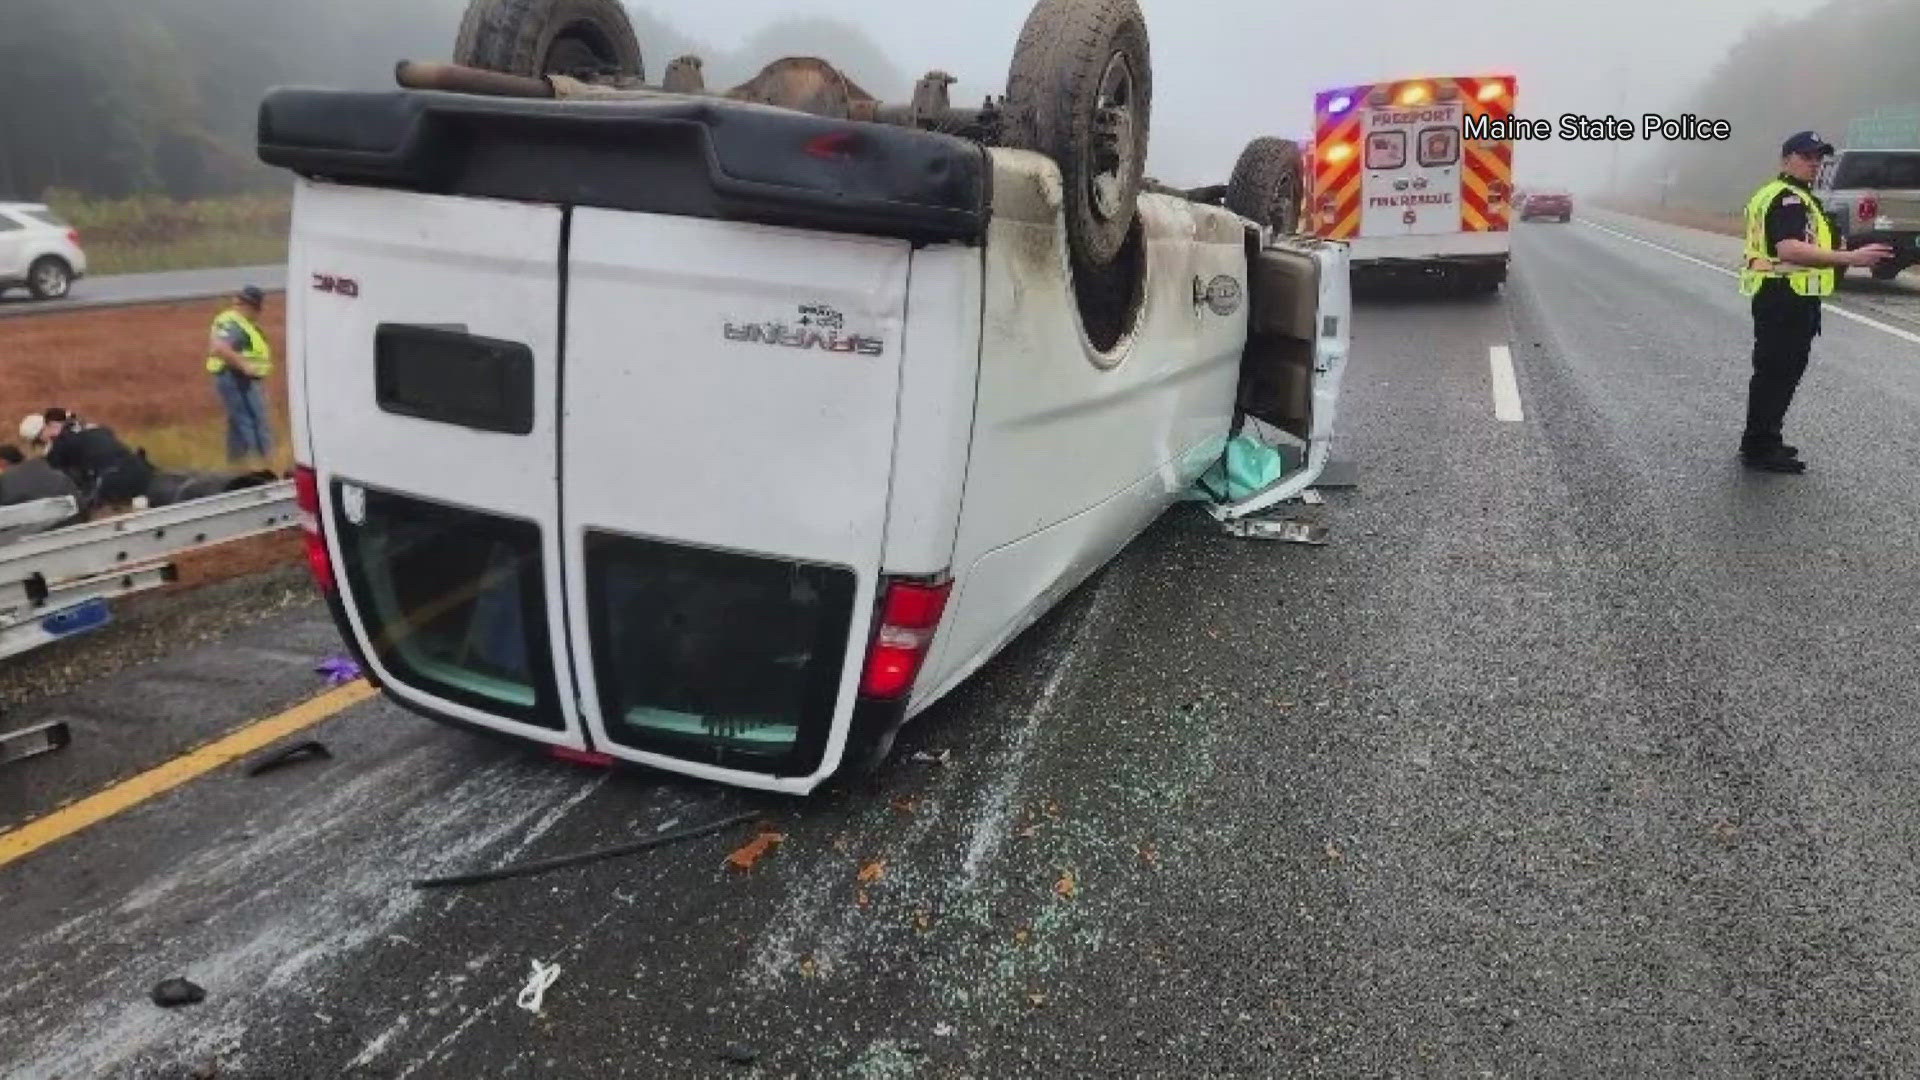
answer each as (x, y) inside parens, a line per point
(252, 295)
(1806, 142)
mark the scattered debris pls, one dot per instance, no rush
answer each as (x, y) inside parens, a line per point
(1021, 936)
(931, 757)
(175, 992)
(923, 920)
(312, 749)
(27, 742)
(739, 1053)
(535, 992)
(860, 898)
(808, 967)
(1313, 498)
(943, 1029)
(1150, 855)
(1066, 887)
(1037, 1000)
(746, 855)
(1334, 854)
(339, 670)
(1283, 529)
(872, 872)
(564, 861)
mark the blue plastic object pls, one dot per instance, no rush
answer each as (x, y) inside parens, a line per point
(78, 619)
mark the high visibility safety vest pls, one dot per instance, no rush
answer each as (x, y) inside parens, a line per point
(1759, 266)
(256, 348)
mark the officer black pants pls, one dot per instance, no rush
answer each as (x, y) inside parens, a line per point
(1784, 326)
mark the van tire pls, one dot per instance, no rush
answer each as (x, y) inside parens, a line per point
(1080, 90)
(50, 278)
(1266, 184)
(582, 38)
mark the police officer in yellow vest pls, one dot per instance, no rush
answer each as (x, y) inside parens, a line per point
(240, 361)
(1791, 262)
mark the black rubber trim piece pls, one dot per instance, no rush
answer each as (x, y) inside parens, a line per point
(688, 156)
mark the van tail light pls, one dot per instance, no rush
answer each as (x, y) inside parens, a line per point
(1869, 209)
(306, 492)
(909, 614)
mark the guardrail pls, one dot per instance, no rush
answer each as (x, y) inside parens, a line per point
(56, 584)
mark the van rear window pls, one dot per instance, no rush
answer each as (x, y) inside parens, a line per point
(452, 601)
(710, 656)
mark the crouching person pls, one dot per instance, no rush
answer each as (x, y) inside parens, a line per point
(24, 480)
(109, 474)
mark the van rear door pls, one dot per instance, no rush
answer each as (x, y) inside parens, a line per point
(429, 363)
(727, 443)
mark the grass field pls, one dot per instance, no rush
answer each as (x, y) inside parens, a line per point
(1725, 222)
(149, 232)
(139, 370)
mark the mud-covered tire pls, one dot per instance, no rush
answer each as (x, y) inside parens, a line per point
(1266, 184)
(1080, 90)
(582, 38)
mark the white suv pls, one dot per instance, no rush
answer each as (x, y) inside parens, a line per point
(38, 251)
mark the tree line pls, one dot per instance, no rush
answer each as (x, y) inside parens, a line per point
(1819, 70)
(119, 97)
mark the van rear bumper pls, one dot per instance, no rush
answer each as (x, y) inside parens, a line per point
(678, 155)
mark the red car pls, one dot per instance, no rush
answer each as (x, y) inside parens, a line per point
(1547, 204)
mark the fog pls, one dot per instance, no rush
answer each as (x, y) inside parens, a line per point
(112, 97)
(1227, 70)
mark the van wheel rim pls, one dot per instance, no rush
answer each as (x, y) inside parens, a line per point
(1113, 147)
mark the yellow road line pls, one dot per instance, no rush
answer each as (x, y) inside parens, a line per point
(64, 822)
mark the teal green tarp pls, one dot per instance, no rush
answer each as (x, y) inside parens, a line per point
(1248, 467)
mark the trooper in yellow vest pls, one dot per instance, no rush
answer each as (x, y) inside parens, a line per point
(1791, 262)
(240, 360)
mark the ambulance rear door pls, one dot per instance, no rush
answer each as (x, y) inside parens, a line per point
(1410, 157)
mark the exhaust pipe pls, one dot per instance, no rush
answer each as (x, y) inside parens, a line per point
(457, 79)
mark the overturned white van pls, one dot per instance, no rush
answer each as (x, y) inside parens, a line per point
(723, 438)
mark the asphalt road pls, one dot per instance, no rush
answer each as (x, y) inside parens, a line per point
(1579, 751)
(115, 289)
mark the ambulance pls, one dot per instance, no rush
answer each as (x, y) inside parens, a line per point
(1396, 177)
